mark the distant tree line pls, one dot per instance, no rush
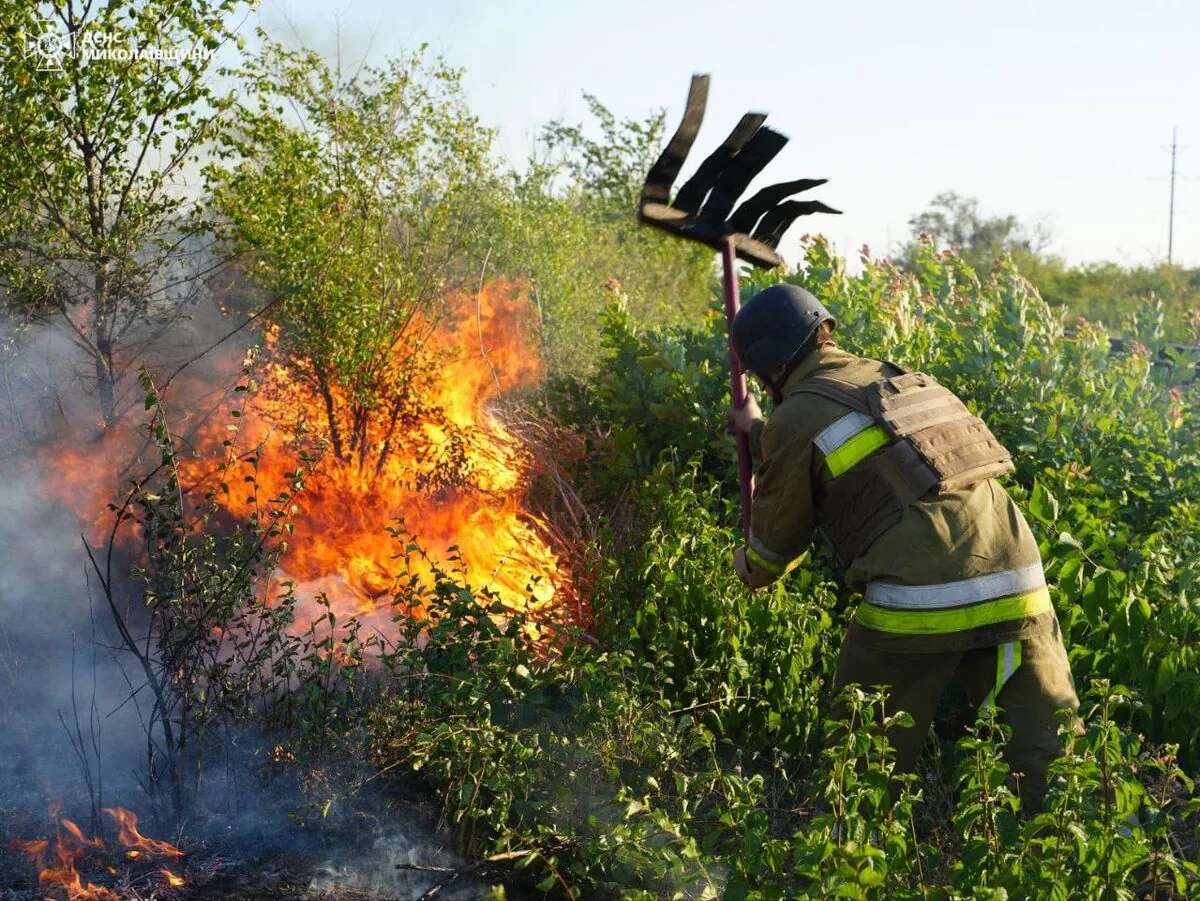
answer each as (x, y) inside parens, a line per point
(1100, 291)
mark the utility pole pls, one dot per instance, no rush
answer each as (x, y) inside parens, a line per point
(1171, 214)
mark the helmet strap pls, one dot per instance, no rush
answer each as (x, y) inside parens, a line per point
(801, 354)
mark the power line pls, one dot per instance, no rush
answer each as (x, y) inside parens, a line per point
(1171, 214)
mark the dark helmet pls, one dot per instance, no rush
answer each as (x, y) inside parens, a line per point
(776, 327)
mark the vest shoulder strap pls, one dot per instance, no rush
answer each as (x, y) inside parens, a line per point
(856, 397)
(852, 396)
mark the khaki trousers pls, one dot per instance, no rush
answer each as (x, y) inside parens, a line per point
(1029, 701)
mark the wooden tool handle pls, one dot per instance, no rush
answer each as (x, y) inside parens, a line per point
(737, 380)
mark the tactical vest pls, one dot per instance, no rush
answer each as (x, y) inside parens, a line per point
(906, 437)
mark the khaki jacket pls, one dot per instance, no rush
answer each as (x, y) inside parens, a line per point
(949, 539)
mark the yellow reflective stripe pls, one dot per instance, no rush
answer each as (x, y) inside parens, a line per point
(842, 430)
(1008, 661)
(856, 450)
(765, 558)
(940, 622)
(776, 569)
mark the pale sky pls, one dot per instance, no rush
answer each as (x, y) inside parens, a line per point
(1060, 111)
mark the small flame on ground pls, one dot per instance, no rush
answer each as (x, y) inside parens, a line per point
(71, 846)
(129, 837)
(171, 879)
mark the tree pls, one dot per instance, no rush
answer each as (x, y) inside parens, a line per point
(106, 112)
(613, 167)
(1112, 294)
(1099, 291)
(567, 226)
(953, 221)
(350, 200)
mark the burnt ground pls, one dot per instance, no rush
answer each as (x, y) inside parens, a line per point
(252, 836)
(328, 865)
(283, 878)
(254, 833)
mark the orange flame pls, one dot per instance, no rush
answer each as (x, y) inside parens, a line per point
(171, 879)
(451, 472)
(71, 846)
(129, 837)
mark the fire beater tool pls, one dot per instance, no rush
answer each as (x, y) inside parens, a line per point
(702, 210)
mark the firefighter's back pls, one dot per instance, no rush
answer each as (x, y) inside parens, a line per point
(959, 563)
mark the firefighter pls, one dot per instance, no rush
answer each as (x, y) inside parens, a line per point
(901, 478)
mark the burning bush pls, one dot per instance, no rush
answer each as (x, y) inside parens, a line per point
(431, 457)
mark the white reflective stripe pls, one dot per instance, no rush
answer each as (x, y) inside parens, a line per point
(956, 594)
(842, 430)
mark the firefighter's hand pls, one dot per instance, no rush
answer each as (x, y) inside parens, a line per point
(742, 419)
(742, 566)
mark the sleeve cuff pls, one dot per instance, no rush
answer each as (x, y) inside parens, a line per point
(750, 570)
(767, 563)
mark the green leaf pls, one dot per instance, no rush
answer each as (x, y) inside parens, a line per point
(1066, 538)
(1042, 504)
